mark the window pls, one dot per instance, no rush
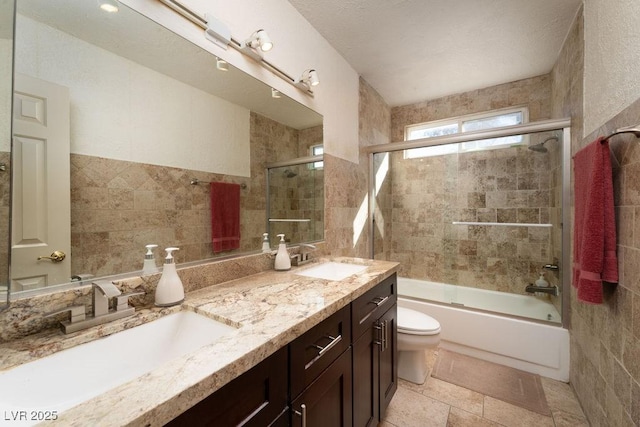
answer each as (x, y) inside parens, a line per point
(470, 123)
(317, 150)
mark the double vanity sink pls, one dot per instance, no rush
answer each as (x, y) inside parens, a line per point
(150, 373)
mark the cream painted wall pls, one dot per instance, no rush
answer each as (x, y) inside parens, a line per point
(130, 112)
(612, 59)
(297, 46)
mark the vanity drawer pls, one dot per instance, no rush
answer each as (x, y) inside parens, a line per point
(370, 306)
(313, 352)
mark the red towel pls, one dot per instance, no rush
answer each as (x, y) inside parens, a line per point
(225, 216)
(594, 239)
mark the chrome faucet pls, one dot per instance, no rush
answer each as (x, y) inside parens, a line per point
(551, 290)
(303, 257)
(103, 294)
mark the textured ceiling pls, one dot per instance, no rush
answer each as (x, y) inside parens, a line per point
(416, 50)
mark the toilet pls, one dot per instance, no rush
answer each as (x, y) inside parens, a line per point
(417, 332)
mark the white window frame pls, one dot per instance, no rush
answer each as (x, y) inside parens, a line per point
(313, 151)
(463, 147)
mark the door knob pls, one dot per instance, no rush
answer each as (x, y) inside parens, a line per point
(56, 256)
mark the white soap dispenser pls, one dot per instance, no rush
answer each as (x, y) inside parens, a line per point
(283, 262)
(170, 290)
(149, 266)
(266, 248)
(541, 282)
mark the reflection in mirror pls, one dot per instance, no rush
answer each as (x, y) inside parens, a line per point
(6, 61)
(147, 113)
(295, 202)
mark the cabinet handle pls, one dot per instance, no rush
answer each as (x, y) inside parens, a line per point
(378, 301)
(302, 414)
(378, 327)
(334, 341)
(383, 326)
(386, 335)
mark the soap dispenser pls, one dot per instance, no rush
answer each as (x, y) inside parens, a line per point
(149, 266)
(541, 282)
(283, 262)
(266, 248)
(170, 290)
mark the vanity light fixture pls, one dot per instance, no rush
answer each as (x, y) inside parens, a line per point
(110, 6)
(308, 79)
(275, 93)
(217, 32)
(222, 65)
(259, 40)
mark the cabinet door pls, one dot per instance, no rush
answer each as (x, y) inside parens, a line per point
(327, 401)
(388, 358)
(366, 351)
(256, 398)
(311, 353)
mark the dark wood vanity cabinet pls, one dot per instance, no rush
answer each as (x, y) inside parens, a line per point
(340, 373)
(375, 376)
(320, 374)
(256, 398)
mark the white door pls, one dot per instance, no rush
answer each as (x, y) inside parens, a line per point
(41, 199)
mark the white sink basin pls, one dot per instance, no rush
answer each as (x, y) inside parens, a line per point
(64, 379)
(332, 270)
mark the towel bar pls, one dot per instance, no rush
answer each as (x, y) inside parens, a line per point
(629, 129)
(196, 181)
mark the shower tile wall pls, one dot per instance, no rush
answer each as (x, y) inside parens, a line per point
(117, 207)
(300, 196)
(503, 185)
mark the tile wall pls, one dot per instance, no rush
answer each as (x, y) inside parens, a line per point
(421, 197)
(118, 207)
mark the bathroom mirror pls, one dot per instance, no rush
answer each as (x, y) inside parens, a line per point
(6, 56)
(151, 120)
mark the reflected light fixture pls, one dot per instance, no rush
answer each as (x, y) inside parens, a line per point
(222, 65)
(217, 32)
(110, 6)
(275, 93)
(259, 39)
(308, 79)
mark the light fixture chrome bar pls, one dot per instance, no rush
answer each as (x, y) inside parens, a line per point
(541, 126)
(501, 224)
(200, 20)
(294, 162)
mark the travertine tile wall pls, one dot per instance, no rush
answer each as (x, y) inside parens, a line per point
(510, 185)
(605, 339)
(346, 183)
(506, 185)
(117, 207)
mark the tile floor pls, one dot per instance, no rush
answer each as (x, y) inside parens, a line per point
(438, 403)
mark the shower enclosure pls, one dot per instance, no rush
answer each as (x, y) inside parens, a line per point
(486, 210)
(295, 200)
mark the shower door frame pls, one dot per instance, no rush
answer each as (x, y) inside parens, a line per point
(541, 126)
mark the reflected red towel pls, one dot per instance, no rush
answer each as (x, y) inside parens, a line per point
(594, 239)
(225, 216)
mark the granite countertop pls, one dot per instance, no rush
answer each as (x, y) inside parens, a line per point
(269, 310)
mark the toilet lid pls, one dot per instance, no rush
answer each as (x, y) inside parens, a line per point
(414, 322)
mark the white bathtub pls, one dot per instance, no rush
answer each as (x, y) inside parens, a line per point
(531, 346)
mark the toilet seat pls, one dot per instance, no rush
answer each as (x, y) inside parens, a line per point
(415, 323)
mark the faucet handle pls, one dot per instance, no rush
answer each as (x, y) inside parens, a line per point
(107, 288)
(122, 301)
(77, 312)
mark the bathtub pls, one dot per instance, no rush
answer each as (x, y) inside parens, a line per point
(535, 346)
